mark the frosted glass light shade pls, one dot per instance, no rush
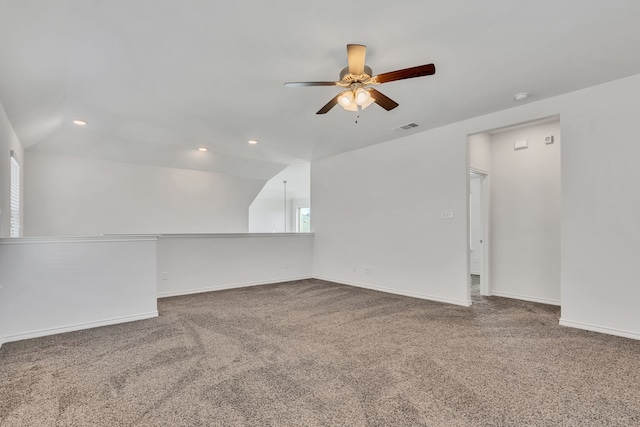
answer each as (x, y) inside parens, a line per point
(345, 99)
(362, 96)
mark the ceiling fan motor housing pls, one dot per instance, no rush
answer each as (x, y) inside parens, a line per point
(348, 78)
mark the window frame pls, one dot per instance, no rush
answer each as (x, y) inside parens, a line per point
(298, 219)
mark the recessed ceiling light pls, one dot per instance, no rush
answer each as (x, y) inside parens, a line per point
(521, 96)
(79, 122)
(253, 142)
(203, 149)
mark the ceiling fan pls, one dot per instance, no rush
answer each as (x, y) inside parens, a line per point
(358, 78)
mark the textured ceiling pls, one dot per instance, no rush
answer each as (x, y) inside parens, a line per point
(155, 79)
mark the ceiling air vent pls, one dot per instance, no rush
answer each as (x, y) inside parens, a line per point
(406, 127)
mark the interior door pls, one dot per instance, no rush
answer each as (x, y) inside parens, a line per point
(476, 235)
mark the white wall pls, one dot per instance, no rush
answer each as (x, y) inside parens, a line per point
(201, 263)
(267, 216)
(60, 285)
(526, 214)
(601, 208)
(385, 210)
(381, 206)
(267, 211)
(69, 196)
(54, 285)
(480, 152)
(8, 142)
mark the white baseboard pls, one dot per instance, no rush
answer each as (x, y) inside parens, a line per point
(79, 326)
(464, 303)
(224, 287)
(525, 297)
(601, 329)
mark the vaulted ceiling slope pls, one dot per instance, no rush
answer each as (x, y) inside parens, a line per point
(156, 79)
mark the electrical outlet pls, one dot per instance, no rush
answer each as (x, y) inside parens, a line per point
(286, 265)
(368, 270)
(446, 215)
(163, 275)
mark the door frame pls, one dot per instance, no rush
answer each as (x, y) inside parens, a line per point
(485, 218)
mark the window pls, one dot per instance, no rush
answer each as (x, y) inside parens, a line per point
(304, 220)
(15, 197)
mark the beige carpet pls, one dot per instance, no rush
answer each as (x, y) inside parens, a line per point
(316, 353)
(475, 286)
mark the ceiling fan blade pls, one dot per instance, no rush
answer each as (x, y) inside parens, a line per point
(355, 57)
(407, 73)
(303, 84)
(329, 105)
(382, 100)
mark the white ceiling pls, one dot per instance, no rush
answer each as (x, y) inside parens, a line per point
(157, 78)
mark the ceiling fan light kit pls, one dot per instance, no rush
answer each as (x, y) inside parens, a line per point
(358, 78)
(362, 96)
(346, 100)
(354, 99)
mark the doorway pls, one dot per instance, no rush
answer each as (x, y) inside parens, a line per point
(517, 199)
(478, 225)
